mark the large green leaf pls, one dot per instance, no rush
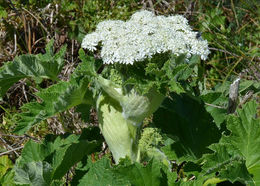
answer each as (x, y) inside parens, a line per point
(6, 173)
(85, 110)
(34, 152)
(139, 175)
(216, 101)
(55, 99)
(47, 65)
(5, 164)
(102, 173)
(59, 153)
(65, 158)
(58, 98)
(195, 182)
(178, 71)
(186, 121)
(244, 139)
(34, 173)
(8, 179)
(229, 167)
(215, 104)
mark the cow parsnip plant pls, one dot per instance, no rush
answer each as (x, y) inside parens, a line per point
(121, 111)
(148, 65)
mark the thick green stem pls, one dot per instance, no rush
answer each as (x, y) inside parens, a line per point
(120, 117)
(120, 134)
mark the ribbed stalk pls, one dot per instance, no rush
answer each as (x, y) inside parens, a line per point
(121, 115)
(120, 134)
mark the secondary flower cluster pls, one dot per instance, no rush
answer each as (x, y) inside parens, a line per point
(144, 35)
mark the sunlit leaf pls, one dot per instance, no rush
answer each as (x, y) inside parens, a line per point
(47, 65)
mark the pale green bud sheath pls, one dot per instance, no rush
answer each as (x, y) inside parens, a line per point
(121, 116)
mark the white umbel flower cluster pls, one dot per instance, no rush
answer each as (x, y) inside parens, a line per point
(143, 36)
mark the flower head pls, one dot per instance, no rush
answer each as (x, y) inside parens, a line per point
(143, 36)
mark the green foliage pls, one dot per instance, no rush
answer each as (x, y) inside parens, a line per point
(216, 105)
(236, 155)
(47, 163)
(229, 167)
(102, 173)
(150, 138)
(75, 18)
(137, 174)
(3, 13)
(244, 138)
(90, 13)
(184, 118)
(34, 173)
(226, 26)
(47, 65)
(195, 143)
(149, 145)
(55, 99)
(189, 131)
(5, 166)
(8, 179)
(164, 72)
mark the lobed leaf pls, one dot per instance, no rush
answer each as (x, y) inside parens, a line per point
(215, 104)
(102, 173)
(245, 137)
(185, 120)
(47, 65)
(57, 98)
(34, 173)
(229, 167)
(56, 155)
(5, 164)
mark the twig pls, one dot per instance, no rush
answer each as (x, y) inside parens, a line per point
(13, 150)
(189, 9)
(151, 5)
(15, 43)
(13, 7)
(51, 17)
(225, 51)
(10, 135)
(9, 146)
(248, 95)
(216, 106)
(24, 92)
(37, 21)
(33, 138)
(29, 38)
(37, 41)
(25, 28)
(24, 136)
(72, 51)
(233, 8)
(233, 67)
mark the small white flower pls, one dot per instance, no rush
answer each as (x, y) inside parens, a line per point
(143, 36)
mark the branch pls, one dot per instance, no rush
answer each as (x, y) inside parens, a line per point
(216, 106)
(12, 150)
(225, 51)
